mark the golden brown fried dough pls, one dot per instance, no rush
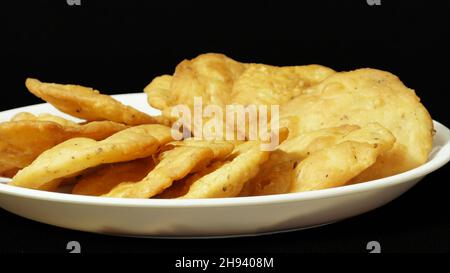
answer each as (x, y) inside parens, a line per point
(102, 180)
(180, 188)
(86, 103)
(360, 97)
(230, 178)
(338, 164)
(344, 128)
(158, 92)
(272, 85)
(97, 130)
(275, 175)
(44, 117)
(220, 148)
(174, 164)
(209, 76)
(78, 154)
(21, 141)
(221, 81)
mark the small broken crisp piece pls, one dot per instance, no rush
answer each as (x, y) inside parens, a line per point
(86, 103)
(77, 154)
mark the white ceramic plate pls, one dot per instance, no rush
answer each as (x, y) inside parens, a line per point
(210, 217)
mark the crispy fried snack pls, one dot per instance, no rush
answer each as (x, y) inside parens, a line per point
(44, 117)
(338, 164)
(360, 97)
(175, 164)
(345, 127)
(86, 103)
(209, 76)
(221, 81)
(220, 148)
(77, 154)
(269, 85)
(102, 180)
(158, 92)
(229, 179)
(275, 175)
(27, 136)
(178, 163)
(97, 130)
(181, 187)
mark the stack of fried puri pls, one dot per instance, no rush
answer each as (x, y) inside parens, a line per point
(344, 127)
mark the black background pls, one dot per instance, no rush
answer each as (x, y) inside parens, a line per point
(119, 46)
